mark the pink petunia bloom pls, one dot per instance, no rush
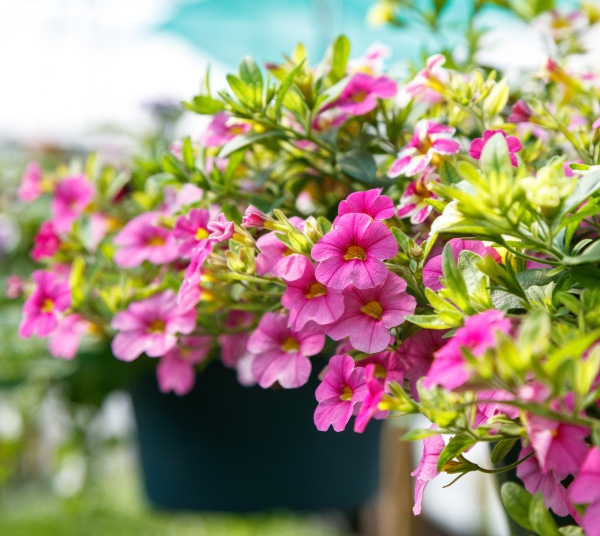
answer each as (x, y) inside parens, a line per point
(221, 229)
(45, 243)
(187, 195)
(352, 253)
(372, 62)
(281, 353)
(427, 468)
(514, 145)
(478, 334)
(379, 207)
(31, 183)
(429, 84)
(233, 345)
(548, 483)
(388, 365)
(14, 287)
(490, 404)
(307, 299)
(278, 259)
(254, 218)
(369, 314)
(413, 202)
(360, 95)
(151, 326)
(176, 370)
(145, 239)
(192, 231)
(429, 143)
(416, 354)
(42, 309)
(66, 338)
(586, 489)
(521, 112)
(369, 408)
(224, 128)
(432, 271)
(71, 197)
(339, 393)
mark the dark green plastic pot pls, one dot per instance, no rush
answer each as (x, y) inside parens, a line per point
(229, 448)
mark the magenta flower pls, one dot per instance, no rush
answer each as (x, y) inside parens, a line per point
(221, 229)
(429, 84)
(307, 299)
(145, 239)
(42, 309)
(489, 405)
(224, 128)
(413, 202)
(479, 333)
(281, 353)
(341, 390)
(352, 253)
(369, 314)
(151, 326)
(233, 345)
(45, 243)
(388, 365)
(66, 338)
(254, 218)
(369, 408)
(586, 489)
(31, 183)
(176, 370)
(379, 207)
(71, 197)
(14, 287)
(427, 468)
(429, 143)
(192, 231)
(521, 112)
(514, 145)
(360, 95)
(187, 195)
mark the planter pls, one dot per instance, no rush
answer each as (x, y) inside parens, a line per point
(225, 447)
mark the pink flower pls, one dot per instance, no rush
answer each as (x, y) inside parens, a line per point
(145, 239)
(224, 128)
(388, 365)
(427, 468)
(254, 218)
(413, 202)
(596, 124)
(14, 287)
(221, 229)
(43, 308)
(338, 394)
(187, 195)
(233, 345)
(31, 183)
(66, 338)
(489, 405)
(370, 405)
(176, 370)
(416, 354)
(151, 326)
(307, 300)
(429, 143)
(192, 231)
(379, 207)
(352, 253)
(45, 243)
(71, 197)
(430, 82)
(586, 489)
(514, 145)
(281, 353)
(362, 91)
(369, 314)
(521, 112)
(479, 333)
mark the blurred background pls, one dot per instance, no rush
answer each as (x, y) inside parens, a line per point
(107, 76)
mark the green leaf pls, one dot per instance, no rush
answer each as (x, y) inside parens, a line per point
(517, 502)
(235, 159)
(448, 173)
(452, 275)
(501, 449)
(591, 254)
(187, 152)
(468, 266)
(495, 158)
(204, 105)
(250, 72)
(171, 164)
(541, 520)
(241, 90)
(571, 530)
(329, 95)
(77, 281)
(585, 187)
(429, 321)
(339, 60)
(359, 164)
(247, 139)
(586, 276)
(401, 238)
(457, 445)
(419, 433)
(286, 83)
(536, 277)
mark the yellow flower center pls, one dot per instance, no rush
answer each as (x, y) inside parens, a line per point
(290, 345)
(346, 394)
(359, 96)
(355, 252)
(156, 241)
(201, 233)
(316, 289)
(47, 306)
(380, 371)
(373, 309)
(236, 129)
(157, 326)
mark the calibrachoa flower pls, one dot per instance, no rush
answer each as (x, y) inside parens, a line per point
(369, 314)
(14, 287)
(192, 231)
(479, 333)
(145, 239)
(307, 300)
(362, 91)
(176, 369)
(429, 143)
(233, 345)
(31, 183)
(521, 112)
(370, 405)
(66, 338)
(379, 207)
(151, 326)
(224, 128)
(221, 229)
(586, 489)
(44, 306)
(341, 390)
(45, 243)
(429, 84)
(71, 197)
(281, 353)
(427, 468)
(413, 202)
(352, 253)
(514, 145)
(254, 218)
